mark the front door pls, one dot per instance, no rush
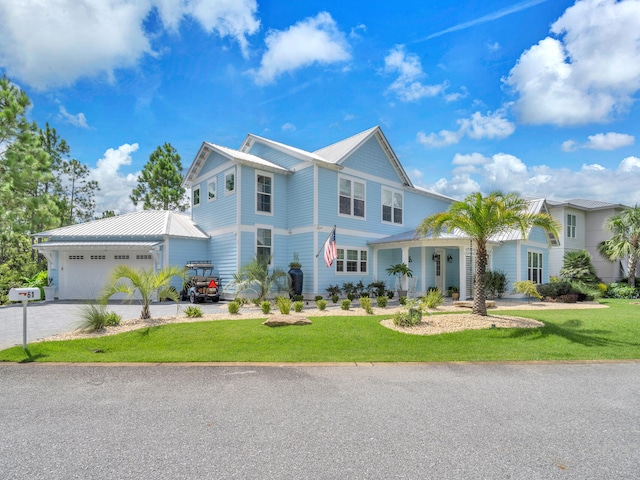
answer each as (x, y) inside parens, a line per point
(440, 267)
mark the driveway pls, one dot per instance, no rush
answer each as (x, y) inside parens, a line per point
(448, 421)
(45, 319)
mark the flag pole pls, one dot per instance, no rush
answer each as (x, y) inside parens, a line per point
(323, 244)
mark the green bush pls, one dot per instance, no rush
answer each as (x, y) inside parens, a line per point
(365, 302)
(265, 306)
(193, 312)
(406, 319)
(233, 307)
(495, 283)
(554, 290)
(298, 298)
(284, 304)
(621, 290)
(345, 304)
(433, 298)
(317, 297)
(321, 304)
(335, 298)
(528, 288)
(298, 306)
(376, 289)
(95, 317)
(402, 300)
(382, 301)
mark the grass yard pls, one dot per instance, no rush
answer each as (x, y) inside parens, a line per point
(595, 334)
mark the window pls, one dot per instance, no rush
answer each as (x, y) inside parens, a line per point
(351, 197)
(534, 267)
(392, 206)
(229, 182)
(351, 261)
(196, 196)
(121, 257)
(212, 189)
(571, 226)
(263, 193)
(98, 257)
(263, 243)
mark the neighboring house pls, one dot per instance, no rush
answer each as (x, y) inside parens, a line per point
(81, 256)
(582, 230)
(277, 201)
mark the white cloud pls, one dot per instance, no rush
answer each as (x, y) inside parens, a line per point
(288, 127)
(407, 86)
(477, 127)
(93, 39)
(569, 146)
(587, 72)
(477, 172)
(115, 187)
(312, 40)
(78, 120)
(609, 141)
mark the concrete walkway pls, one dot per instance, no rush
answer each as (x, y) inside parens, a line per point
(45, 319)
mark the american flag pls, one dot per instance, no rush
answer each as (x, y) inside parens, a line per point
(330, 249)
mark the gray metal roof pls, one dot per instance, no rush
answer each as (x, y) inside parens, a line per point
(337, 151)
(147, 223)
(585, 204)
(96, 245)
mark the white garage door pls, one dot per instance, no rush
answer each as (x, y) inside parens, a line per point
(84, 273)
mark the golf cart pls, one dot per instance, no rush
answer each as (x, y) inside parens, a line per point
(201, 285)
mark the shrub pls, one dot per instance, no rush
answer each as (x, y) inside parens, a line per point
(345, 304)
(298, 298)
(321, 304)
(528, 288)
(317, 297)
(95, 317)
(233, 307)
(495, 283)
(298, 306)
(334, 290)
(284, 304)
(335, 298)
(404, 319)
(365, 302)
(349, 290)
(621, 290)
(193, 312)
(382, 301)
(376, 289)
(390, 294)
(433, 298)
(265, 306)
(554, 289)
(402, 300)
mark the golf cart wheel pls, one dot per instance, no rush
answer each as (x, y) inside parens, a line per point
(192, 298)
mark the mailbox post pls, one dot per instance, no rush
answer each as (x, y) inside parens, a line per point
(24, 295)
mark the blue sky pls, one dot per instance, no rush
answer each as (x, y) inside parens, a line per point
(533, 96)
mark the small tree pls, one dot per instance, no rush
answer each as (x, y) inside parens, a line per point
(147, 283)
(528, 288)
(160, 182)
(255, 276)
(625, 242)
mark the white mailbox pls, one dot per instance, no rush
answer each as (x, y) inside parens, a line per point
(24, 294)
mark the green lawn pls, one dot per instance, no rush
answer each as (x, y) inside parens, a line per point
(612, 333)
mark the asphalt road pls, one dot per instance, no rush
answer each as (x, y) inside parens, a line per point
(448, 421)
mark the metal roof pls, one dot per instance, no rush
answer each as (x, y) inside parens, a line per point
(288, 149)
(96, 245)
(147, 223)
(585, 204)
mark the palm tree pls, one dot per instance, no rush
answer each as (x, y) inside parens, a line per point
(255, 276)
(129, 280)
(625, 242)
(483, 218)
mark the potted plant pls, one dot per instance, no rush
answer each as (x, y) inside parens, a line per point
(296, 275)
(49, 290)
(454, 293)
(400, 270)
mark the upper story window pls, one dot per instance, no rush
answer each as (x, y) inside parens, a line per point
(571, 226)
(264, 195)
(392, 203)
(230, 182)
(195, 197)
(263, 243)
(351, 260)
(534, 267)
(212, 189)
(351, 197)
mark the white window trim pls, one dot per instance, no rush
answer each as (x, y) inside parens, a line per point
(235, 181)
(358, 272)
(193, 197)
(264, 227)
(353, 180)
(392, 191)
(269, 175)
(539, 267)
(571, 227)
(213, 181)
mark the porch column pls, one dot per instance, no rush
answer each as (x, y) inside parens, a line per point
(405, 260)
(462, 266)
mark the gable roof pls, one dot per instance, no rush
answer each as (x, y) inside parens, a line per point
(241, 157)
(583, 204)
(288, 149)
(147, 223)
(338, 152)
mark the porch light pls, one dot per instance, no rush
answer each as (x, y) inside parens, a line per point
(449, 258)
(435, 257)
